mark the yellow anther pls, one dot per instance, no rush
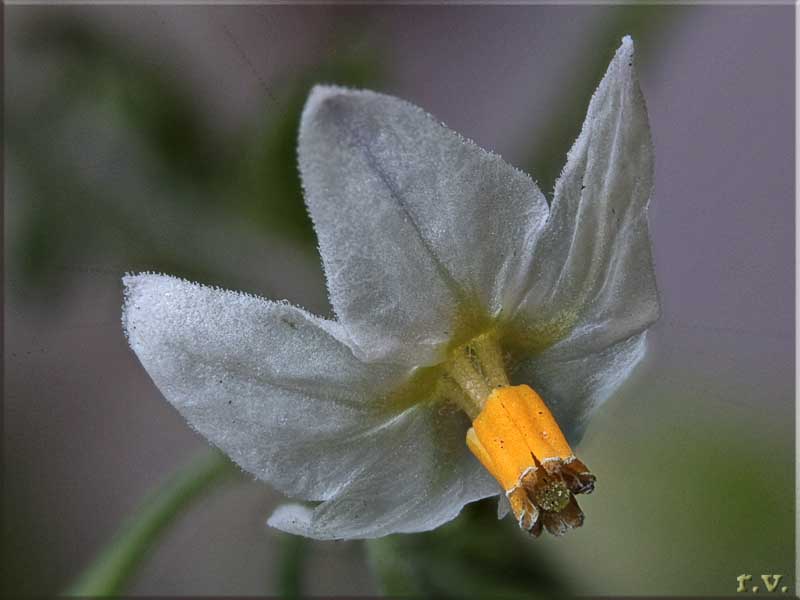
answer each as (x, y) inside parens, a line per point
(516, 438)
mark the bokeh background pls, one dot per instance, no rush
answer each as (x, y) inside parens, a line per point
(162, 138)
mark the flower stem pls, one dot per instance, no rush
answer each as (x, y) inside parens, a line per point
(112, 569)
(293, 550)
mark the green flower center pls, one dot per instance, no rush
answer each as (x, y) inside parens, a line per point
(475, 365)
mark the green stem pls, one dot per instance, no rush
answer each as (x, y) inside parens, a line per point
(114, 566)
(392, 568)
(293, 549)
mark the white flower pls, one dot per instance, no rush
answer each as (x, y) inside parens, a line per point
(449, 277)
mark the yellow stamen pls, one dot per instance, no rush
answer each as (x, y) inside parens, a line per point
(516, 438)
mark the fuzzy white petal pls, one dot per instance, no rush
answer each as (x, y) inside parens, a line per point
(593, 267)
(271, 385)
(414, 222)
(575, 388)
(503, 506)
(422, 483)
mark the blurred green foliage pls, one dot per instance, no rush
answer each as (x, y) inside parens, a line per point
(143, 96)
(475, 555)
(185, 170)
(290, 569)
(98, 77)
(109, 573)
(693, 490)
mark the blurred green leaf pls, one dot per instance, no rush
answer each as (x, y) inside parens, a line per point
(119, 560)
(115, 157)
(145, 96)
(475, 555)
(292, 552)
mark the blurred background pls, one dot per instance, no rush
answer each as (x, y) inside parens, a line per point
(163, 138)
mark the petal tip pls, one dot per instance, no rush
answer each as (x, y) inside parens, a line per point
(139, 292)
(625, 51)
(132, 282)
(132, 286)
(321, 97)
(321, 92)
(295, 519)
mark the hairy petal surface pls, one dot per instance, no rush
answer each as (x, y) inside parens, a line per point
(574, 388)
(284, 397)
(393, 497)
(272, 386)
(419, 229)
(593, 275)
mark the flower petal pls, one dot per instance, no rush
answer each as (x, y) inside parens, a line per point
(593, 275)
(503, 506)
(574, 388)
(419, 477)
(271, 385)
(421, 232)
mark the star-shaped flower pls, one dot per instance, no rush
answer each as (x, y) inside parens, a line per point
(451, 280)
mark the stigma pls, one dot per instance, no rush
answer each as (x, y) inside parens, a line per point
(516, 438)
